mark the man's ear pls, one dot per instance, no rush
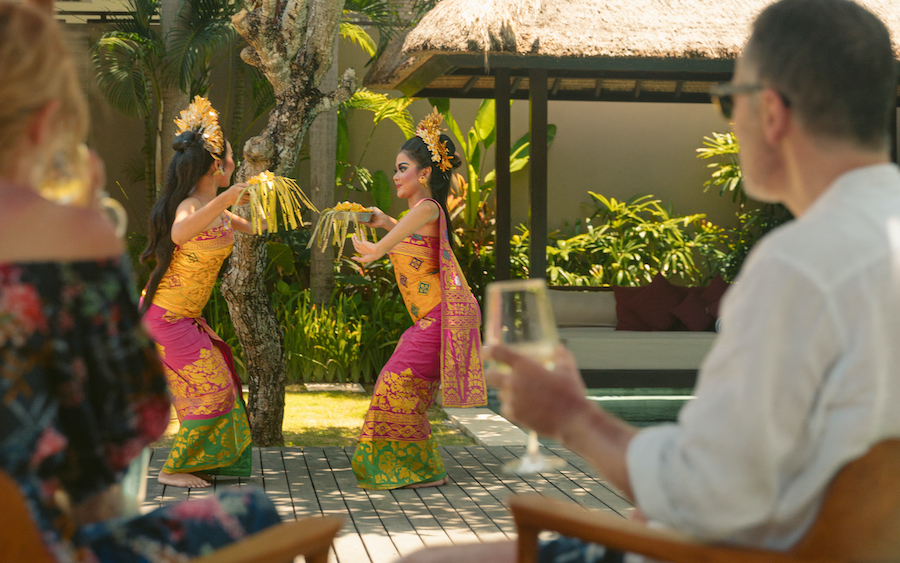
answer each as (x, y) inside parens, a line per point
(775, 114)
(39, 124)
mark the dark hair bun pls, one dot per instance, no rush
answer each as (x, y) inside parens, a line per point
(455, 161)
(186, 140)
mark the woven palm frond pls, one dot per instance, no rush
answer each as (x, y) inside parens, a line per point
(335, 225)
(266, 192)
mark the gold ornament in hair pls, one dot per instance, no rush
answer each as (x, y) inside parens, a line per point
(429, 130)
(202, 118)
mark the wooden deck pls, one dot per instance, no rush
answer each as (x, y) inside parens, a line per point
(380, 526)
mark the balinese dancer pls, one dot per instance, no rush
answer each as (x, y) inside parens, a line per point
(190, 235)
(443, 347)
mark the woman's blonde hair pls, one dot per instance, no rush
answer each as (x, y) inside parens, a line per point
(36, 69)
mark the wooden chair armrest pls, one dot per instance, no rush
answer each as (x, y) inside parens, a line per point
(534, 513)
(310, 537)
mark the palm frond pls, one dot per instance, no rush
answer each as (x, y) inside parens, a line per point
(358, 35)
(124, 66)
(141, 13)
(384, 107)
(204, 28)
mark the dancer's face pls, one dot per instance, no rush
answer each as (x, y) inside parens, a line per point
(407, 175)
(227, 164)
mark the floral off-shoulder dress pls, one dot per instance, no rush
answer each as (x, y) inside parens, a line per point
(81, 394)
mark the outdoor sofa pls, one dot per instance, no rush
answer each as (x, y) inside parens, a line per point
(653, 336)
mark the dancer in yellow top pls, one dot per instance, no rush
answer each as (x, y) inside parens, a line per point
(443, 347)
(191, 234)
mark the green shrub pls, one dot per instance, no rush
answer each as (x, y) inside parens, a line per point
(632, 241)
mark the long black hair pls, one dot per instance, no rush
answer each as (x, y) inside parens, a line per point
(190, 163)
(439, 181)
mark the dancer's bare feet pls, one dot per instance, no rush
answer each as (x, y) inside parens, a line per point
(443, 481)
(188, 480)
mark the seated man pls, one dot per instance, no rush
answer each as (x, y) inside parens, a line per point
(805, 375)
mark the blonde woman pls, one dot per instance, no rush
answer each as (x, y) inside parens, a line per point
(83, 390)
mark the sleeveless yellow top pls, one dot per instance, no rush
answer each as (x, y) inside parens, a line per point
(418, 273)
(187, 284)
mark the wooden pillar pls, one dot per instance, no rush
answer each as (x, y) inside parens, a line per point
(538, 165)
(502, 198)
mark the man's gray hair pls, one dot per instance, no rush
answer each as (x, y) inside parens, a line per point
(832, 60)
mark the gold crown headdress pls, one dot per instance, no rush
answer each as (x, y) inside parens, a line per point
(429, 130)
(202, 118)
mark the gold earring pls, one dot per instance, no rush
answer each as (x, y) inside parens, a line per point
(423, 180)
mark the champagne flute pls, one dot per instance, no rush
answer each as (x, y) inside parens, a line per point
(519, 316)
(69, 180)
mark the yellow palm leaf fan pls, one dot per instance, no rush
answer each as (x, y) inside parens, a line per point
(267, 191)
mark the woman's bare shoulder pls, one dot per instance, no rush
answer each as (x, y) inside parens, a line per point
(41, 230)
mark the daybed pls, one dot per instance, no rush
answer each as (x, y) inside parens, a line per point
(653, 346)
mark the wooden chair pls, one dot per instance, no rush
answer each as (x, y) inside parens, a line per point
(859, 521)
(310, 537)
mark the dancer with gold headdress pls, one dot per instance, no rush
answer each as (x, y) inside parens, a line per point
(190, 235)
(443, 347)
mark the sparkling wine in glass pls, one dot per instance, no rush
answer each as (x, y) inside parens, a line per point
(519, 316)
(68, 181)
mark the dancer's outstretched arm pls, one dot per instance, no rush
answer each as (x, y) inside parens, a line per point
(423, 213)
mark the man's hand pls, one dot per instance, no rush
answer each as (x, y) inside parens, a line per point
(543, 400)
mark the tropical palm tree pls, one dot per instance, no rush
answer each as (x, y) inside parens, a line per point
(128, 60)
(146, 74)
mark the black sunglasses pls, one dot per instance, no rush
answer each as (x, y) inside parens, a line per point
(722, 96)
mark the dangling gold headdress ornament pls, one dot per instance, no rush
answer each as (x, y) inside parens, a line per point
(429, 130)
(202, 118)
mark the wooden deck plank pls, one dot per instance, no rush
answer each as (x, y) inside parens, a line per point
(300, 484)
(586, 475)
(427, 527)
(275, 481)
(468, 506)
(380, 526)
(385, 507)
(155, 491)
(357, 532)
(485, 488)
(538, 482)
(450, 521)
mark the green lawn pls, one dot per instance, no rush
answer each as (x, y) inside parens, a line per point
(334, 418)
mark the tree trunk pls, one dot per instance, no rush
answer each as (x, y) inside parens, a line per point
(323, 146)
(173, 99)
(292, 43)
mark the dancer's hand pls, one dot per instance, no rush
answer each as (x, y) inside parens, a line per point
(233, 194)
(380, 219)
(368, 251)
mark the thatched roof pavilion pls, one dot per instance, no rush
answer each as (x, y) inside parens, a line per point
(603, 50)
(617, 50)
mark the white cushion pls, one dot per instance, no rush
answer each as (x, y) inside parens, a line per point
(583, 308)
(606, 348)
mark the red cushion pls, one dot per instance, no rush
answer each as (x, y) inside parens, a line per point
(692, 311)
(626, 318)
(712, 294)
(648, 308)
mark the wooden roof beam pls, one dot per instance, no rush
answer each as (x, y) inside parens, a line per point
(469, 85)
(515, 84)
(556, 84)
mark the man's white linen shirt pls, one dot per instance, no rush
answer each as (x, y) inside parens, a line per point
(804, 376)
